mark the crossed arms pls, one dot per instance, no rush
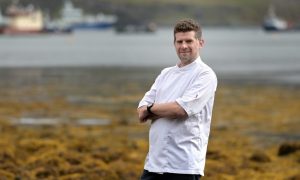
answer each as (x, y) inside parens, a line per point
(170, 110)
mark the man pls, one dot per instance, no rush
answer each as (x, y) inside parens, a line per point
(179, 105)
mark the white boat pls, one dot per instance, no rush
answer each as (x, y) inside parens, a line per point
(2, 22)
(22, 20)
(74, 18)
(273, 23)
(25, 20)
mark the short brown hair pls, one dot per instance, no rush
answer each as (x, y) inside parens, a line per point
(186, 25)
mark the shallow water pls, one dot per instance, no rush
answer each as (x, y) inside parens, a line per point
(232, 53)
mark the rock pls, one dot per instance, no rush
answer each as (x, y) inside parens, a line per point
(288, 148)
(295, 177)
(260, 157)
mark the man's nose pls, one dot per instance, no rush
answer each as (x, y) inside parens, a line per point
(184, 45)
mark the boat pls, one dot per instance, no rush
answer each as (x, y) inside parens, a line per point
(2, 23)
(274, 23)
(74, 18)
(52, 27)
(25, 20)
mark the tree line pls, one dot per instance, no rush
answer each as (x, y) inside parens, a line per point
(166, 12)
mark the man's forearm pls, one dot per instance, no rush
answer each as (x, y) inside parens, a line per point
(144, 115)
(171, 110)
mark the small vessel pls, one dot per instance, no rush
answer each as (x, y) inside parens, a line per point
(74, 18)
(23, 20)
(2, 22)
(274, 23)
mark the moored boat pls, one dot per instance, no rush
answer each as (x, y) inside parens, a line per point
(74, 18)
(25, 20)
(274, 23)
(2, 22)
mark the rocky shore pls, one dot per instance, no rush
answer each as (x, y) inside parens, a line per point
(254, 134)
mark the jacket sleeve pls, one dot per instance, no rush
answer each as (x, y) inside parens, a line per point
(198, 94)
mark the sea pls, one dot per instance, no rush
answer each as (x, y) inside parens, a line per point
(236, 54)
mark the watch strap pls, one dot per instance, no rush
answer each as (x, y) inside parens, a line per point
(149, 108)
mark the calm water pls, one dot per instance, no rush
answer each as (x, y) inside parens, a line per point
(232, 53)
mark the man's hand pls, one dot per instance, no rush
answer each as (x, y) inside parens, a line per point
(143, 114)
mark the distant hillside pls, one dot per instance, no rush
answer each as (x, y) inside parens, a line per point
(166, 12)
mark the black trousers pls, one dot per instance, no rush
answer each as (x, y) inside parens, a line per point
(168, 176)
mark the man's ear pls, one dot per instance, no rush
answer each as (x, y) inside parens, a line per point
(201, 43)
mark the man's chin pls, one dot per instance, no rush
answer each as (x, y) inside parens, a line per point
(185, 59)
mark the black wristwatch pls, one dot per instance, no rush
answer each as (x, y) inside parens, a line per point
(149, 108)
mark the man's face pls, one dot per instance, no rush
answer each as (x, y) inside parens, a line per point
(187, 46)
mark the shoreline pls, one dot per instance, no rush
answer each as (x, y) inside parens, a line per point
(255, 78)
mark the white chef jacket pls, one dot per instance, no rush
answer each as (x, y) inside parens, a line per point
(177, 145)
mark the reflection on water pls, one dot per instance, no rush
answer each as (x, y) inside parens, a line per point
(27, 121)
